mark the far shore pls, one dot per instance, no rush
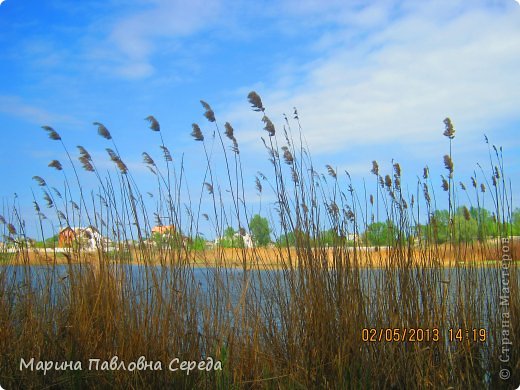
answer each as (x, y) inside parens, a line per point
(476, 254)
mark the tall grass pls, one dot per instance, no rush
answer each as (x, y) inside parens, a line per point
(291, 316)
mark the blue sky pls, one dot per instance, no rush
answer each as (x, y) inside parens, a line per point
(371, 81)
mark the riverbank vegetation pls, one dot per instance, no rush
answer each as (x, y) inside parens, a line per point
(306, 325)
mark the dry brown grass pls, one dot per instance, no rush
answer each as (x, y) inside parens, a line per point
(285, 317)
(445, 255)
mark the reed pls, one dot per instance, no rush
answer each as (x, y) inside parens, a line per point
(298, 314)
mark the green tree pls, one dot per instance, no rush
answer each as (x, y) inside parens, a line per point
(231, 239)
(466, 227)
(380, 233)
(52, 241)
(486, 221)
(260, 231)
(438, 227)
(296, 238)
(197, 244)
(331, 238)
(168, 240)
(515, 219)
(229, 232)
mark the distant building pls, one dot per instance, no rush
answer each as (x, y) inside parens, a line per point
(163, 230)
(87, 238)
(352, 237)
(93, 238)
(246, 238)
(66, 237)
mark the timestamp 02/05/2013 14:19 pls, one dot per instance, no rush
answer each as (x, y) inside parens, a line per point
(423, 335)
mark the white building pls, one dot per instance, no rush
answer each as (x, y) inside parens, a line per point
(248, 240)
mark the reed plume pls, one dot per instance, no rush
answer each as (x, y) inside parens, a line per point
(397, 170)
(331, 171)
(269, 127)
(147, 159)
(294, 175)
(52, 133)
(445, 184)
(117, 160)
(48, 199)
(333, 208)
(11, 229)
(229, 131)
(426, 172)
(197, 133)
(234, 147)
(102, 130)
(465, 212)
(426, 193)
(166, 153)
(388, 182)
(85, 159)
(55, 164)
(208, 113)
(154, 124)
(497, 172)
(448, 164)
(287, 155)
(58, 193)
(87, 165)
(256, 102)
(375, 168)
(83, 152)
(258, 185)
(40, 181)
(449, 129)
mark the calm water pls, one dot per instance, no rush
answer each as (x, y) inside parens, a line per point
(479, 285)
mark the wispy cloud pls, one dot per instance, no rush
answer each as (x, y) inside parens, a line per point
(397, 83)
(135, 38)
(17, 107)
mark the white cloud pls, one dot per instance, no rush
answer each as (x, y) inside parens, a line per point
(136, 37)
(15, 106)
(397, 83)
